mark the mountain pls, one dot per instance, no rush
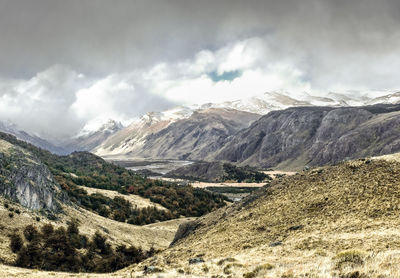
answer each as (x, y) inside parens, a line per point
(137, 139)
(10, 128)
(192, 137)
(299, 136)
(334, 221)
(133, 137)
(87, 140)
(197, 136)
(271, 101)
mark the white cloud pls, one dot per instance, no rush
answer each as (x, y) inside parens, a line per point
(60, 101)
(188, 81)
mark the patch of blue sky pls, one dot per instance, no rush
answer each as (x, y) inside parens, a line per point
(226, 76)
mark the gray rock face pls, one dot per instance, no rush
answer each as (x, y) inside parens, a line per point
(196, 137)
(315, 136)
(24, 179)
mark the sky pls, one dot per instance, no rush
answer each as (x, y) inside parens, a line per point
(66, 64)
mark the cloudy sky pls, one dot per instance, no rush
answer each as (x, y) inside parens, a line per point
(66, 63)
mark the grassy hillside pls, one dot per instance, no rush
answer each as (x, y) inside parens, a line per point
(86, 169)
(336, 221)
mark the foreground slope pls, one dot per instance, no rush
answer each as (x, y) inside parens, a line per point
(328, 222)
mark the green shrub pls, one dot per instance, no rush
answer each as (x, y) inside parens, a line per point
(350, 257)
(57, 250)
(30, 232)
(16, 242)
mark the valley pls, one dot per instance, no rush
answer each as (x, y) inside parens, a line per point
(301, 192)
(199, 139)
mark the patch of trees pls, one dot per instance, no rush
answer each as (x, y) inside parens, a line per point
(86, 169)
(65, 249)
(116, 208)
(243, 174)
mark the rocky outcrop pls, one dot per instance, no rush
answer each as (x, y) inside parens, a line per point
(24, 179)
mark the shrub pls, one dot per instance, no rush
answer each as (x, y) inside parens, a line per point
(16, 242)
(47, 230)
(350, 257)
(257, 270)
(30, 232)
(56, 250)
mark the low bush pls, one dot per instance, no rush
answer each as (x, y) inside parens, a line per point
(65, 249)
(350, 257)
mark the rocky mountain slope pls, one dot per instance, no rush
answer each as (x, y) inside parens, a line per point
(191, 138)
(132, 138)
(301, 136)
(335, 221)
(89, 139)
(137, 139)
(194, 138)
(26, 180)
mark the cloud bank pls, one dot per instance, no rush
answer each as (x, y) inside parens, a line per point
(66, 64)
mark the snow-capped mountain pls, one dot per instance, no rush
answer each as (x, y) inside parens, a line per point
(134, 136)
(132, 139)
(89, 138)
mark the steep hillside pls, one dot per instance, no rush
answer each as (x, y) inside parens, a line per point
(335, 221)
(87, 140)
(301, 136)
(27, 183)
(167, 135)
(25, 179)
(85, 169)
(194, 138)
(132, 138)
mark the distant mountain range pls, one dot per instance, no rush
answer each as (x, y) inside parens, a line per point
(161, 134)
(299, 136)
(217, 131)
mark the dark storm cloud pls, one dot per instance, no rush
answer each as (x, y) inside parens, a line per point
(99, 36)
(110, 51)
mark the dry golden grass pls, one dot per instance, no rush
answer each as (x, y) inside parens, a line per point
(338, 221)
(5, 147)
(135, 200)
(302, 226)
(389, 157)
